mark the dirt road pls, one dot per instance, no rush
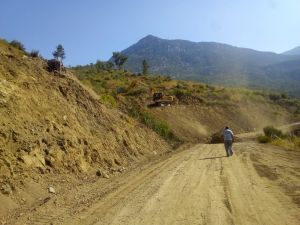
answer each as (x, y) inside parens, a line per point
(260, 184)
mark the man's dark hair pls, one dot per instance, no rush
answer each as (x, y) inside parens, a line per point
(226, 128)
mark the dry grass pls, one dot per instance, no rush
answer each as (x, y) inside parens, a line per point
(289, 143)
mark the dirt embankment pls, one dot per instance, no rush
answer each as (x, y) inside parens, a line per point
(194, 121)
(52, 125)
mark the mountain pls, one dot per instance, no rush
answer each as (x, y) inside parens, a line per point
(216, 63)
(294, 51)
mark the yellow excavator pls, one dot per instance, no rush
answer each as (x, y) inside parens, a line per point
(161, 99)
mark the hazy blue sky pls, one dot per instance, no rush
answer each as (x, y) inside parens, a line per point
(92, 29)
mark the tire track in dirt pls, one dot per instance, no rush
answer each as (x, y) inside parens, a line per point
(51, 212)
(196, 186)
(117, 198)
(225, 191)
(255, 199)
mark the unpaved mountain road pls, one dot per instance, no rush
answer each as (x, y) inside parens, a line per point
(260, 184)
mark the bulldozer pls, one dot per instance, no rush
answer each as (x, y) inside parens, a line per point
(161, 99)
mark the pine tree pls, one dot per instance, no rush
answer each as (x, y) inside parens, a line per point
(59, 53)
(145, 67)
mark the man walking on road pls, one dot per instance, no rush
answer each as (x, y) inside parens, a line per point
(228, 139)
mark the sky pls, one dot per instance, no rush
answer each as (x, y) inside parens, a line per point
(91, 30)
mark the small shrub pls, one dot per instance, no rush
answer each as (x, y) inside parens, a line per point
(178, 93)
(120, 90)
(188, 92)
(134, 112)
(160, 127)
(272, 132)
(34, 53)
(99, 84)
(284, 96)
(108, 100)
(18, 45)
(274, 97)
(263, 139)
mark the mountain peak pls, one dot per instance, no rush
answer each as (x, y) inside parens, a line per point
(150, 37)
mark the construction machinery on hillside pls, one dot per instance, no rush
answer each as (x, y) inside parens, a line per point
(161, 99)
(56, 66)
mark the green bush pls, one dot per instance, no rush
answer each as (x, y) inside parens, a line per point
(263, 139)
(134, 112)
(160, 127)
(18, 45)
(178, 93)
(181, 92)
(272, 132)
(284, 96)
(108, 100)
(34, 53)
(99, 84)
